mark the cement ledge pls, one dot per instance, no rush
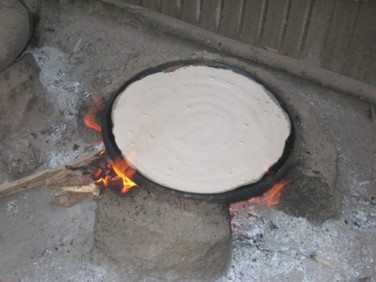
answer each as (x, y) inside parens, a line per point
(295, 67)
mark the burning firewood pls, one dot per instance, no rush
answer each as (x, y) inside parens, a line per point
(59, 177)
(75, 180)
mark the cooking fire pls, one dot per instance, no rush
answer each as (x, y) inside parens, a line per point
(117, 176)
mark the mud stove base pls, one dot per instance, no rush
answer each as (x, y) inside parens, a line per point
(147, 235)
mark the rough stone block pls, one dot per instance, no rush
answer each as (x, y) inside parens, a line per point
(153, 235)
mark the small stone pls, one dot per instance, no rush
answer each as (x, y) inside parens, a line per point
(20, 157)
(356, 223)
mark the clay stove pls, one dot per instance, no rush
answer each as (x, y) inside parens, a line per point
(164, 233)
(162, 236)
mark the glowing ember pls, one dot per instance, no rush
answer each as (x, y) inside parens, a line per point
(117, 174)
(271, 197)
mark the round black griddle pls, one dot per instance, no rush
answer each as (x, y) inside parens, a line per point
(275, 173)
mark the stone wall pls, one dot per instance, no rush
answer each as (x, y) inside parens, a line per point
(338, 35)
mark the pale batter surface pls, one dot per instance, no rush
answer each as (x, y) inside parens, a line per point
(199, 129)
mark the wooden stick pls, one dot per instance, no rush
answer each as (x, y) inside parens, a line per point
(46, 177)
(69, 196)
(90, 188)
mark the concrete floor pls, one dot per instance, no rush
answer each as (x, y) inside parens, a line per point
(323, 230)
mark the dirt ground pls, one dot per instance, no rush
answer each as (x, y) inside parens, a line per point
(324, 228)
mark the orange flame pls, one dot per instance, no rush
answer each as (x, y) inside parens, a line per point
(271, 197)
(124, 172)
(117, 173)
(91, 118)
